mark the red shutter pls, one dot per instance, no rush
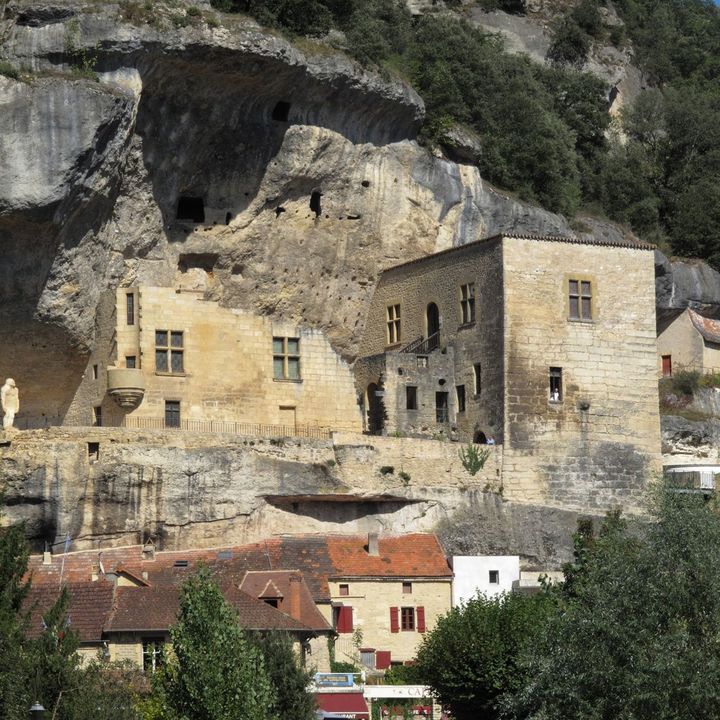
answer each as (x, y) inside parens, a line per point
(383, 659)
(344, 619)
(421, 619)
(394, 624)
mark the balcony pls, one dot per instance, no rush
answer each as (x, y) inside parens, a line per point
(126, 387)
(692, 478)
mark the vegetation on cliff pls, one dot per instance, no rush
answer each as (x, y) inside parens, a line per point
(543, 129)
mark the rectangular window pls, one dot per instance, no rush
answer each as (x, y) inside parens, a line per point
(667, 365)
(97, 415)
(460, 390)
(130, 307)
(393, 324)
(407, 618)
(494, 578)
(172, 413)
(410, 397)
(478, 378)
(407, 588)
(169, 350)
(95, 372)
(467, 303)
(286, 358)
(580, 295)
(344, 590)
(441, 407)
(152, 655)
(130, 361)
(556, 385)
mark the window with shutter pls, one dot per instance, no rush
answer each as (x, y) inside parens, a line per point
(420, 612)
(383, 659)
(394, 620)
(344, 619)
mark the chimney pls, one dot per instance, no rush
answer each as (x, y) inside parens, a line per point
(47, 558)
(373, 545)
(294, 609)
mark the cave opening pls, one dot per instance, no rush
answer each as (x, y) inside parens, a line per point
(191, 208)
(228, 218)
(315, 203)
(281, 111)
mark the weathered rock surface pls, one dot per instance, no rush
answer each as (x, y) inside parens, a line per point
(679, 283)
(685, 440)
(109, 486)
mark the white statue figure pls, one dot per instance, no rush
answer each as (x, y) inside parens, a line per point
(10, 400)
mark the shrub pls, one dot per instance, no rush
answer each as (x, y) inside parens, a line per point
(686, 382)
(473, 458)
(9, 70)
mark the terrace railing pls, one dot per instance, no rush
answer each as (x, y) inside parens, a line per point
(423, 346)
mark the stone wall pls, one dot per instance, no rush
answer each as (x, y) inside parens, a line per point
(679, 339)
(371, 601)
(438, 280)
(600, 444)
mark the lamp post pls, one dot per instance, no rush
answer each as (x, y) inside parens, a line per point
(37, 711)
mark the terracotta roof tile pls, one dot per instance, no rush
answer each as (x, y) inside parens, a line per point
(89, 608)
(417, 555)
(709, 328)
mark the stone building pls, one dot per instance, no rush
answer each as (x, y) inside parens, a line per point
(545, 344)
(167, 358)
(688, 340)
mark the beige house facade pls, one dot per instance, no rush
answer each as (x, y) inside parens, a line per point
(688, 340)
(169, 358)
(544, 344)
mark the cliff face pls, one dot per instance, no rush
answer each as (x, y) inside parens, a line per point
(214, 110)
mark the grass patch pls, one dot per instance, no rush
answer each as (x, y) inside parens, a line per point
(8, 70)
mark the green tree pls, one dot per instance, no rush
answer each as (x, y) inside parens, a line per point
(470, 659)
(639, 636)
(215, 672)
(287, 676)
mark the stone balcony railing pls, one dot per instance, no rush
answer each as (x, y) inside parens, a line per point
(126, 386)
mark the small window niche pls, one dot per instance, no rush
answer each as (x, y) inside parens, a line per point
(556, 384)
(93, 449)
(131, 361)
(95, 372)
(478, 378)
(494, 577)
(281, 111)
(315, 204)
(344, 590)
(460, 390)
(191, 208)
(97, 416)
(411, 397)
(407, 588)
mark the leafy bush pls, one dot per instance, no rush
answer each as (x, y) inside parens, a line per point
(473, 458)
(686, 382)
(9, 70)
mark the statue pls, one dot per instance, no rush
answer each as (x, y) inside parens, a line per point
(10, 400)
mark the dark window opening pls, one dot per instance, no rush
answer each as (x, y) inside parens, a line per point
(172, 413)
(272, 602)
(494, 577)
(478, 378)
(411, 398)
(191, 208)
(94, 450)
(441, 407)
(95, 372)
(315, 203)
(281, 111)
(130, 307)
(407, 588)
(131, 361)
(556, 389)
(97, 415)
(479, 437)
(460, 389)
(228, 218)
(407, 618)
(344, 589)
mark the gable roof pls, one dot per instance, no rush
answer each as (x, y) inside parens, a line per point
(402, 556)
(90, 606)
(302, 607)
(708, 328)
(155, 609)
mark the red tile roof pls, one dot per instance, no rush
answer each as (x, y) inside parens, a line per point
(256, 583)
(416, 555)
(90, 606)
